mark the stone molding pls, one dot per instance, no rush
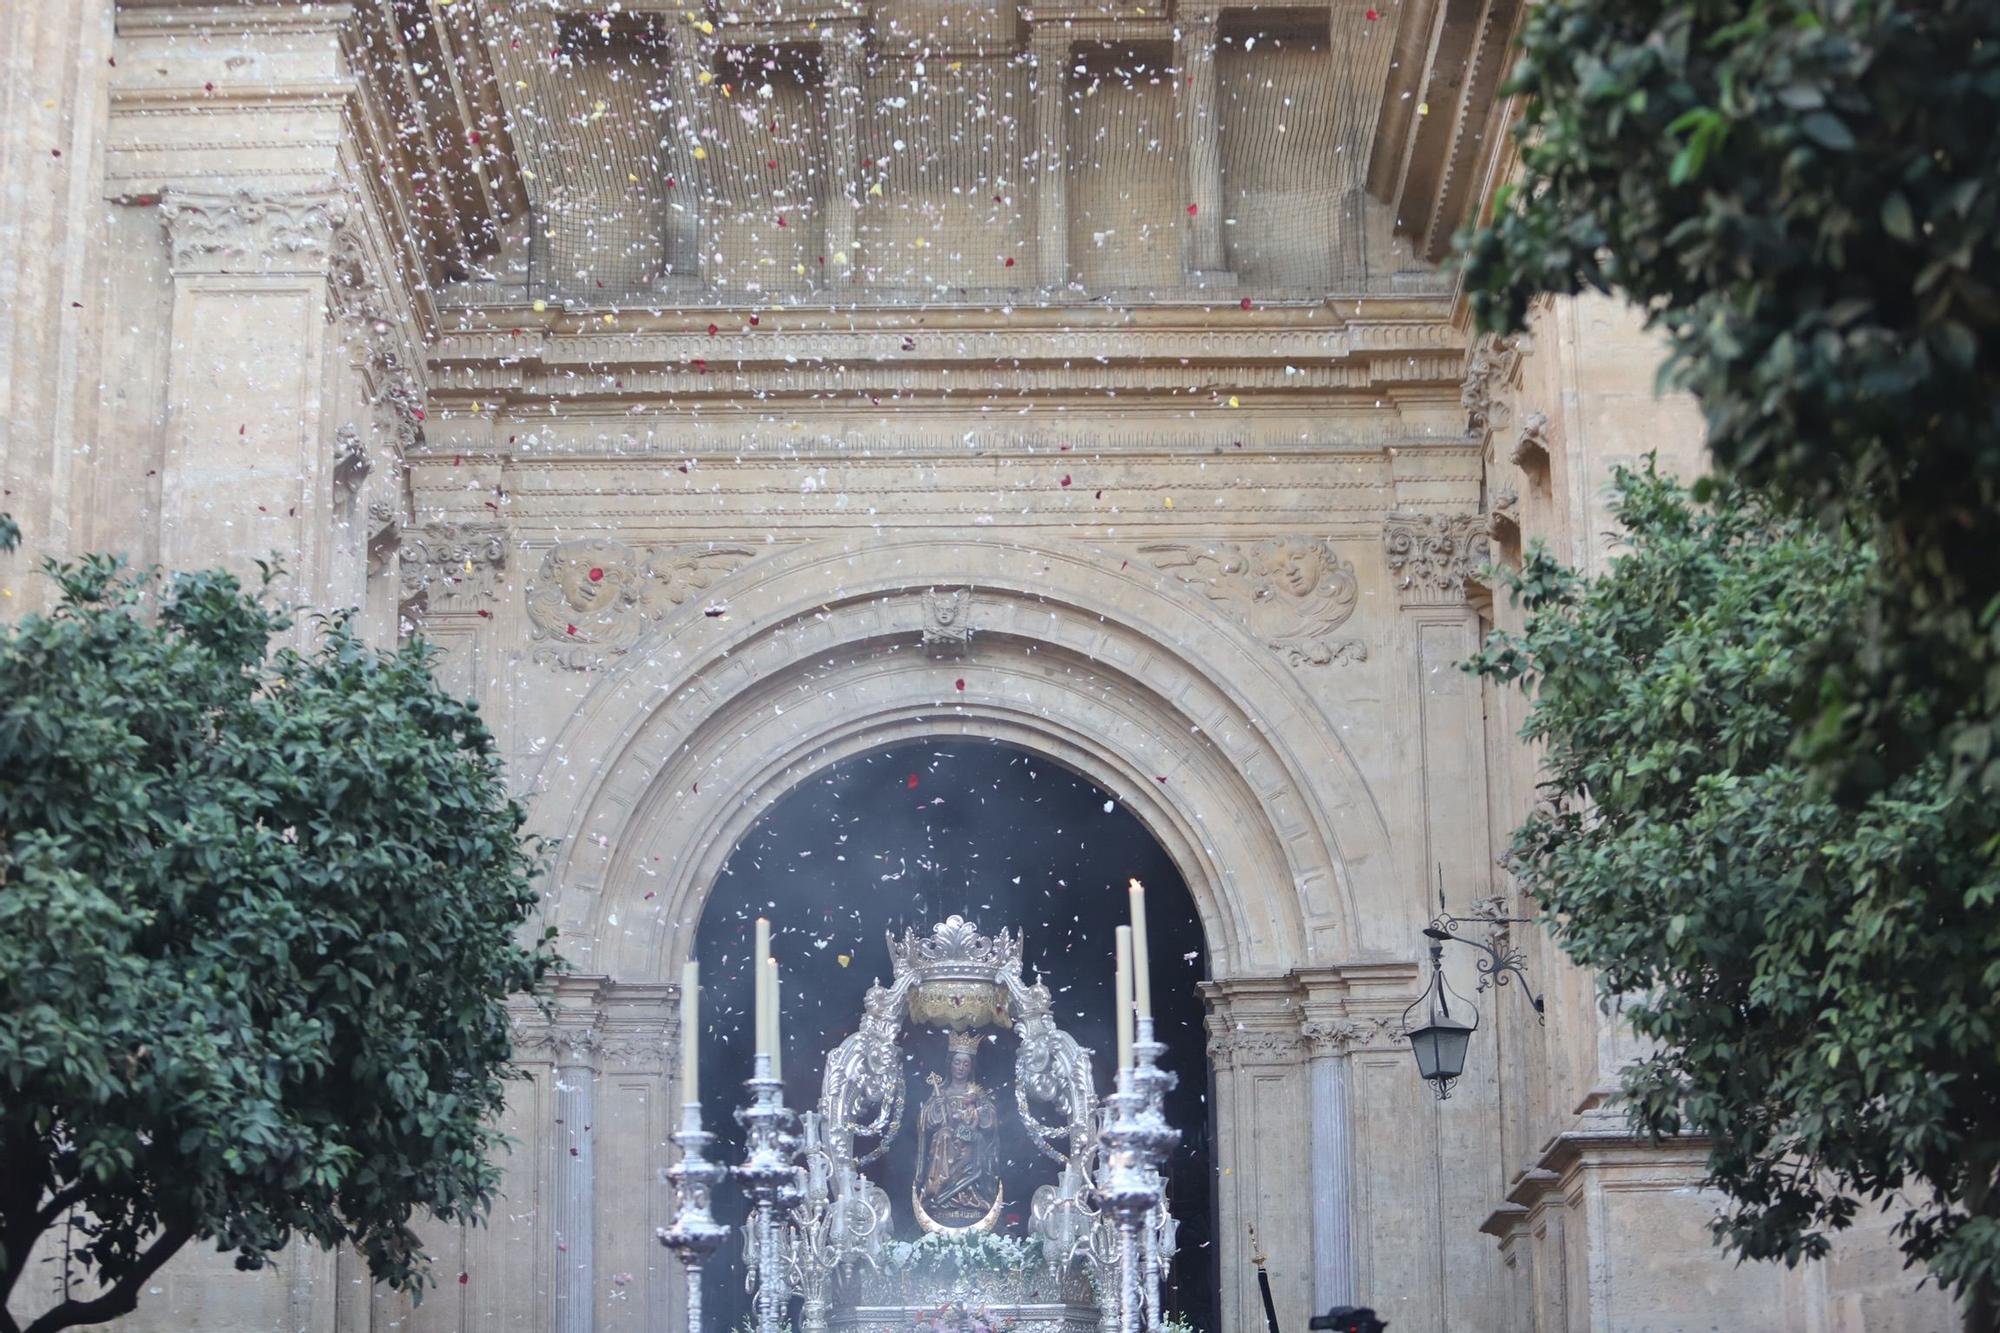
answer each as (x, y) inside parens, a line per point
(1434, 556)
(453, 566)
(1292, 592)
(592, 599)
(250, 231)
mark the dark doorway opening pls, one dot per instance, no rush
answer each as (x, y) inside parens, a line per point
(906, 836)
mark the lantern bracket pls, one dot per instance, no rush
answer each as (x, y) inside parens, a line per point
(1501, 959)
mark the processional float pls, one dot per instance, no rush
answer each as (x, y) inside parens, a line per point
(820, 1229)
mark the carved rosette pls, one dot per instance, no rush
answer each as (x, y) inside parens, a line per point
(252, 232)
(1291, 592)
(1434, 556)
(593, 599)
(453, 566)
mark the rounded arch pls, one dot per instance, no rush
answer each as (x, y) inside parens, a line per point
(1136, 682)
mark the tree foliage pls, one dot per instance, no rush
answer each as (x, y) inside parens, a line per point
(259, 913)
(1819, 976)
(1804, 195)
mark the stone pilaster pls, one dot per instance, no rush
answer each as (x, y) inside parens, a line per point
(250, 450)
(1327, 1038)
(1263, 1128)
(574, 1213)
(1201, 149)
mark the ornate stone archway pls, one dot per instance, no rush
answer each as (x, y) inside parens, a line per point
(822, 651)
(1128, 675)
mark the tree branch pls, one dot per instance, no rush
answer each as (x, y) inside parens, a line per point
(57, 1206)
(123, 1297)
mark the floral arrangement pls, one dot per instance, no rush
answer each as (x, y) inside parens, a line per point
(963, 1250)
(955, 1318)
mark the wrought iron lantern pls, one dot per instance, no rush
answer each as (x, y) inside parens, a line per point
(1441, 1039)
(1443, 1034)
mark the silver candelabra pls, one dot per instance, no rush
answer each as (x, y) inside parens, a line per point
(770, 1177)
(695, 1234)
(1137, 1141)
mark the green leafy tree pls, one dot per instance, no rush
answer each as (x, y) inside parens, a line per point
(1818, 976)
(1804, 196)
(259, 914)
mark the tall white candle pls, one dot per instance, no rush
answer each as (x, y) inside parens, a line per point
(1142, 971)
(761, 971)
(1124, 997)
(777, 1008)
(690, 1029)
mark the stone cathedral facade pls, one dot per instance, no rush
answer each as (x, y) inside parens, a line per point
(733, 388)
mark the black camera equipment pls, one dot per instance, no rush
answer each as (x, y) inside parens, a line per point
(1347, 1319)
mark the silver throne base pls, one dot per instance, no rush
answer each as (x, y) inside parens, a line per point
(1038, 1299)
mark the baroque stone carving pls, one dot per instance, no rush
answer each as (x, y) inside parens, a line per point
(946, 631)
(452, 565)
(1291, 592)
(1531, 451)
(1252, 1046)
(1488, 371)
(593, 598)
(350, 464)
(248, 232)
(1340, 1035)
(1433, 555)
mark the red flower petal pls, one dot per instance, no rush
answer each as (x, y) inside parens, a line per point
(1065, 480)
(1193, 209)
(596, 574)
(912, 783)
(960, 682)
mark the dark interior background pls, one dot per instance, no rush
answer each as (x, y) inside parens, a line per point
(907, 836)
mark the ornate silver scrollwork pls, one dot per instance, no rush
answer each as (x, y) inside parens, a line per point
(957, 978)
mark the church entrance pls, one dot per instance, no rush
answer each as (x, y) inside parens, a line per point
(899, 839)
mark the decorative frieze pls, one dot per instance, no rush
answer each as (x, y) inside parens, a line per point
(593, 599)
(1291, 592)
(452, 565)
(252, 232)
(1339, 1035)
(1434, 556)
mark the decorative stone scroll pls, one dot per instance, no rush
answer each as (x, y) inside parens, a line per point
(593, 599)
(453, 565)
(1434, 556)
(1292, 592)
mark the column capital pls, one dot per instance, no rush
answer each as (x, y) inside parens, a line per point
(253, 231)
(1435, 556)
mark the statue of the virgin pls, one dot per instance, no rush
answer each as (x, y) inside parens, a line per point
(957, 1186)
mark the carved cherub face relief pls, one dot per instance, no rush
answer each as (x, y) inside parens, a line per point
(1295, 564)
(593, 581)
